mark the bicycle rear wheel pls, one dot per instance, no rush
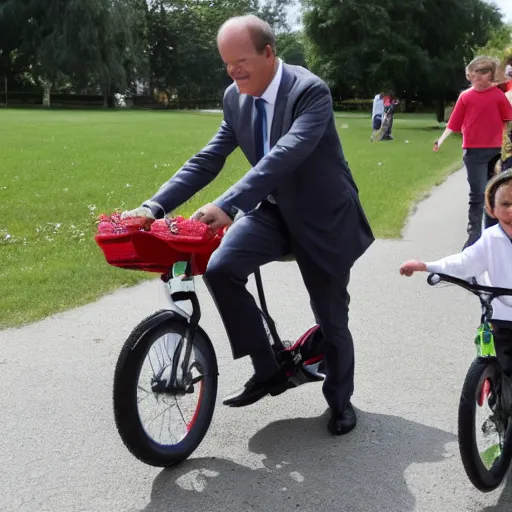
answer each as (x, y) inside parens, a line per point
(162, 426)
(485, 434)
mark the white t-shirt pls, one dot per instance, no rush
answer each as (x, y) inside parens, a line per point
(489, 260)
(508, 71)
(378, 106)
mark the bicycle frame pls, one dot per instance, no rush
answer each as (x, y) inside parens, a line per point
(484, 339)
(179, 286)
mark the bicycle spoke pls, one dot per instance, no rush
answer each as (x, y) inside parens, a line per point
(158, 415)
(179, 409)
(148, 393)
(164, 418)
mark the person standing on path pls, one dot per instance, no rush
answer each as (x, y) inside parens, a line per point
(480, 114)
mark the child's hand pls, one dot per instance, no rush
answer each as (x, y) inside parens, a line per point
(409, 267)
(436, 147)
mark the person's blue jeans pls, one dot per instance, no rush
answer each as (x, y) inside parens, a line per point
(479, 167)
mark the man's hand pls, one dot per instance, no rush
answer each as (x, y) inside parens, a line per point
(409, 267)
(213, 216)
(141, 211)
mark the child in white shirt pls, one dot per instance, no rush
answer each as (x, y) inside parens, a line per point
(490, 258)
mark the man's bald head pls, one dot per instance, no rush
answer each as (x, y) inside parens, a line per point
(247, 47)
(258, 30)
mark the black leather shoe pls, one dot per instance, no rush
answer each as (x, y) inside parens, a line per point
(255, 390)
(342, 423)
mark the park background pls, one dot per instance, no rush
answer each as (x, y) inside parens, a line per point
(102, 101)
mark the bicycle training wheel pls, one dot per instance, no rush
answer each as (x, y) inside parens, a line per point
(159, 424)
(485, 433)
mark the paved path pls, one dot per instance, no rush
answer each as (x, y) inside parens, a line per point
(59, 450)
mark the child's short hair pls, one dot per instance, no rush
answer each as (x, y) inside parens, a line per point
(500, 180)
(483, 62)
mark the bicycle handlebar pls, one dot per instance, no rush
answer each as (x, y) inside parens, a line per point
(477, 289)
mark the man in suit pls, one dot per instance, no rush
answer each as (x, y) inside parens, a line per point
(298, 197)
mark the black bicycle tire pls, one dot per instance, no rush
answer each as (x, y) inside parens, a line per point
(126, 413)
(483, 479)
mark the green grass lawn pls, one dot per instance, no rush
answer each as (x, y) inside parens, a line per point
(60, 169)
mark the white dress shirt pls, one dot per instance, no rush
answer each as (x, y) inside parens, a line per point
(270, 97)
(490, 261)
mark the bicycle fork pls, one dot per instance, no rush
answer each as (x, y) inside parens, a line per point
(180, 287)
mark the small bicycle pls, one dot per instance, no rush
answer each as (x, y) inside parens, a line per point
(387, 118)
(484, 426)
(165, 380)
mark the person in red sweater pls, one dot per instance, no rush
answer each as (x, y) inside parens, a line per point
(481, 113)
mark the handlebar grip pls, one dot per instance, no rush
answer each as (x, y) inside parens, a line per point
(433, 279)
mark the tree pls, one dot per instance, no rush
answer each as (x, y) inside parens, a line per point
(12, 61)
(417, 49)
(499, 44)
(100, 49)
(290, 47)
(31, 41)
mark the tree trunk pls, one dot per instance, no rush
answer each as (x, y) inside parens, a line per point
(106, 92)
(5, 90)
(46, 93)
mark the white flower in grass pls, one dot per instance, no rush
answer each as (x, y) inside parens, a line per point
(7, 236)
(127, 185)
(65, 190)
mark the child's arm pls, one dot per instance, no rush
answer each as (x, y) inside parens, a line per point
(471, 262)
(444, 136)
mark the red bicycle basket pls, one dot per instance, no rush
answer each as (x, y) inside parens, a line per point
(154, 246)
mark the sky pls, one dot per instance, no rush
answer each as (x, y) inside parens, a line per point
(506, 8)
(504, 5)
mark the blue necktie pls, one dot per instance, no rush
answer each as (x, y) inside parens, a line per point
(260, 128)
(260, 133)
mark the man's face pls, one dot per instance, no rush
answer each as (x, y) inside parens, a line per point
(251, 70)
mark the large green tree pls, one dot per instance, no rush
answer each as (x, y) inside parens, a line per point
(416, 48)
(290, 47)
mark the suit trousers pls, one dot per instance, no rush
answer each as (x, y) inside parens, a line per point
(260, 237)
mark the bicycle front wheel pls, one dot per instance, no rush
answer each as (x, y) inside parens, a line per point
(485, 434)
(159, 424)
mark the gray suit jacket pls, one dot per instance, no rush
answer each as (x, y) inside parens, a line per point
(305, 170)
